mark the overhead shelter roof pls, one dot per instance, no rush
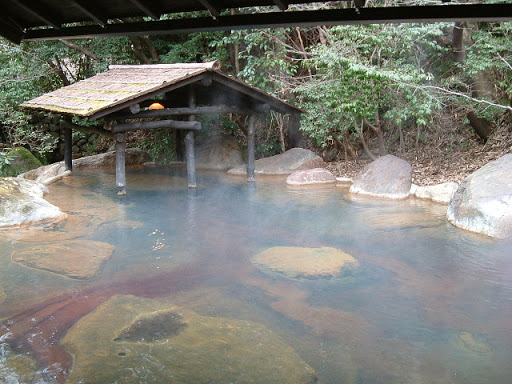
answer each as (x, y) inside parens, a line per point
(125, 85)
(53, 19)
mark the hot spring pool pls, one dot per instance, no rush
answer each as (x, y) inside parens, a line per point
(159, 287)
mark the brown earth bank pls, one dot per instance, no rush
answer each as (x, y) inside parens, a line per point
(452, 157)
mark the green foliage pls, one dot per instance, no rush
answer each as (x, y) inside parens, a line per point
(17, 161)
(367, 72)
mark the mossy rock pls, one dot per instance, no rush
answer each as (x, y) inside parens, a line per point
(21, 161)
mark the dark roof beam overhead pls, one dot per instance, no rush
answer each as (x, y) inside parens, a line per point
(90, 11)
(10, 29)
(281, 4)
(148, 11)
(36, 11)
(412, 14)
(210, 6)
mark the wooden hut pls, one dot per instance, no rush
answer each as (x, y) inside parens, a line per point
(124, 94)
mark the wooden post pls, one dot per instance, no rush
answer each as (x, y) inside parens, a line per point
(251, 148)
(189, 143)
(68, 148)
(120, 164)
(294, 134)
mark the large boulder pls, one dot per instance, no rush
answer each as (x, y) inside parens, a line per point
(388, 177)
(313, 176)
(218, 152)
(284, 164)
(132, 340)
(483, 202)
(47, 174)
(440, 193)
(134, 156)
(20, 160)
(22, 202)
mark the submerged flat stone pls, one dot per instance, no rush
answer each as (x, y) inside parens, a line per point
(193, 350)
(299, 262)
(76, 259)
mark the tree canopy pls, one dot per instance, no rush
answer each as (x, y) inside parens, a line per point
(366, 88)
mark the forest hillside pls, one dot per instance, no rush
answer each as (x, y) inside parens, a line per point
(438, 95)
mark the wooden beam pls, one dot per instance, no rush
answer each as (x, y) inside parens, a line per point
(90, 11)
(121, 164)
(210, 7)
(68, 148)
(189, 142)
(144, 8)
(294, 133)
(189, 125)
(35, 9)
(89, 130)
(281, 4)
(251, 148)
(208, 110)
(349, 16)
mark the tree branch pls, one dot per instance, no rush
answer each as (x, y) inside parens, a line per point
(85, 51)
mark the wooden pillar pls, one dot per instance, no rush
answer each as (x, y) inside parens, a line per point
(294, 134)
(68, 148)
(251, 148)
(120, 164)
(189, 143)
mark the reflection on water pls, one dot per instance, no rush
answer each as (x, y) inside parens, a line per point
(428, 303)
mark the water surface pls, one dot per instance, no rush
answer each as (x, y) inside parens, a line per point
(429, 303)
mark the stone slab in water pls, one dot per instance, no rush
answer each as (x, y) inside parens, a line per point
(299, 262)
(284, 164)
(76, 259)
(483, 202)
(388, 177)
(206, 350)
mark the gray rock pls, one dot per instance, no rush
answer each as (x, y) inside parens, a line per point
(441, 193)
(285, 163)
(219, 152)
(47, 174)
(483, 202)
(134, 156)
(311, 177)
(22, 202)
(388, 177)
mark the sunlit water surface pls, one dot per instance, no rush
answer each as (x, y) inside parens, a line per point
(429, 303)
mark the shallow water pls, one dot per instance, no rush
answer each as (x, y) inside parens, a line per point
(429, 303)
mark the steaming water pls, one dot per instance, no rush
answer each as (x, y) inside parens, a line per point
(428, 304)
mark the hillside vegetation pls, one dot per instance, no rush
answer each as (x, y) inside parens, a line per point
(438, 95)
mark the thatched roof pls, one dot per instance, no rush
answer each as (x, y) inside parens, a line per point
(118, 85)
(125, 85)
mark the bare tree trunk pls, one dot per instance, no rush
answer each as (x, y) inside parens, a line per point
(57, 67)
(378, 131)
(138, 50)
(79, 48)
(155, 57)
(363, 141)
